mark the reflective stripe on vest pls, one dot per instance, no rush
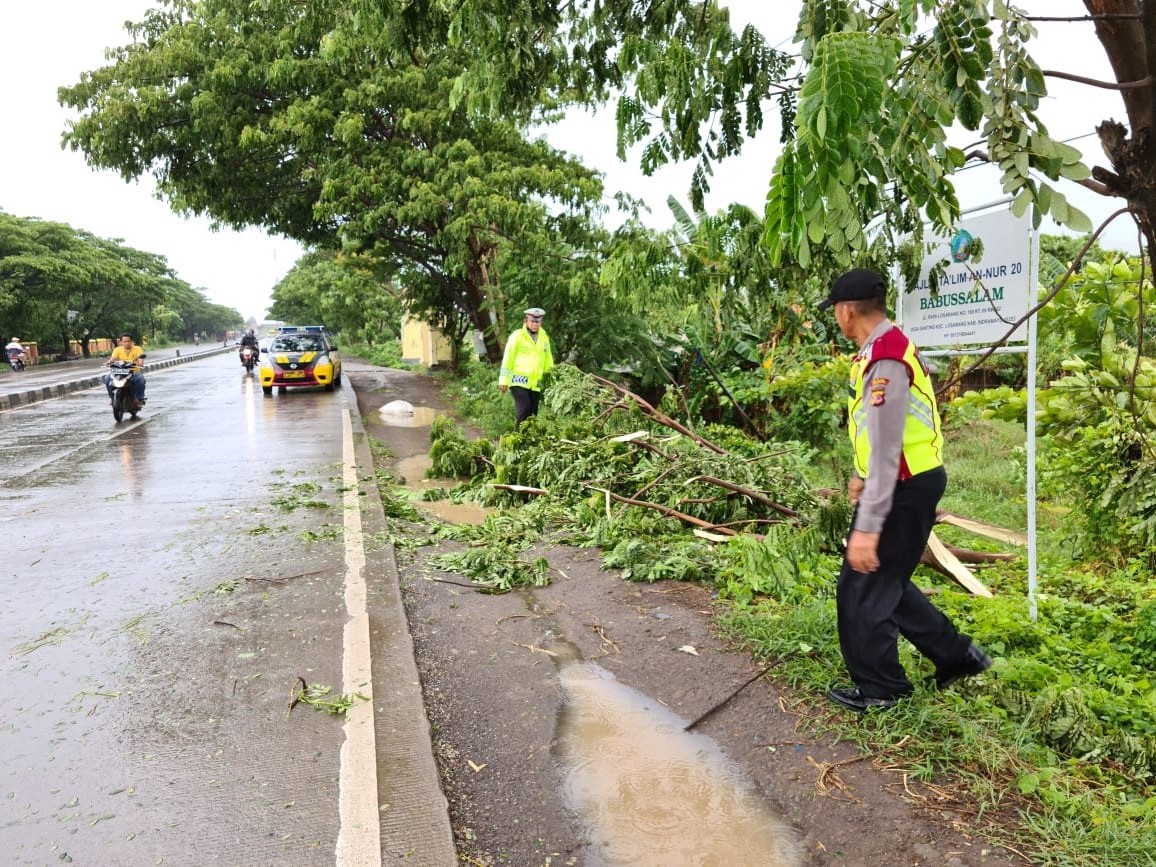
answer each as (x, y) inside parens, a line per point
(922, 432)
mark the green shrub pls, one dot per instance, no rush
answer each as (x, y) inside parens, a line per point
(452, 455)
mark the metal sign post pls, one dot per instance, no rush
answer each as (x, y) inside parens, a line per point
(978, 300)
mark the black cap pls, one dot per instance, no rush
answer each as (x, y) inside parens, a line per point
(858, 284)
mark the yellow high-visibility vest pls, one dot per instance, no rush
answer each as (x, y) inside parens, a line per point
(526, 359)
(922, 432)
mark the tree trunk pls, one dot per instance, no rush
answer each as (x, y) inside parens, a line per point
(477, 291)
(1130, 44)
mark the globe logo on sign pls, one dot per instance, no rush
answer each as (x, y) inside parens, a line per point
(961, 246)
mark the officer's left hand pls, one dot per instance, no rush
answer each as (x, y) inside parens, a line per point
(862, 551)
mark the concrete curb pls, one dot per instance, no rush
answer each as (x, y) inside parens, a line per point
(11, 400)
(415, 821)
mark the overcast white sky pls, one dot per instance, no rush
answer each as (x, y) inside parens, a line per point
(48, 43)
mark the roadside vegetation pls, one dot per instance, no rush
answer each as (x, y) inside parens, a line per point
(1054, 750)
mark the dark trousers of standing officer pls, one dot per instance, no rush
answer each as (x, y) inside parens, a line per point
(875, 608)
(525, 403)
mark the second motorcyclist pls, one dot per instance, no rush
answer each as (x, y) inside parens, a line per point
(249, 338)
(16, 354)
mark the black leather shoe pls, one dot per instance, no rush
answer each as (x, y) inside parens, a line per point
(850, 697)
(975, 661)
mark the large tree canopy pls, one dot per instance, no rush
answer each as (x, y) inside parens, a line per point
(285, 115)
(397, 130)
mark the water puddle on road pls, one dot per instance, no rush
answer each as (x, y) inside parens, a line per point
(651, 794)
(412, 470)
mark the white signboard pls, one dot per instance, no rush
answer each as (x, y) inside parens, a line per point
(982, 293)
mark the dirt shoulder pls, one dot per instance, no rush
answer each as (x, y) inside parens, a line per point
(494, 701)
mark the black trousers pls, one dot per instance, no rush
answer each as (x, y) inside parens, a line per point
(525, 403)
(875, 608)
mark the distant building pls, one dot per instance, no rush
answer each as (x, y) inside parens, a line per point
(422, 344)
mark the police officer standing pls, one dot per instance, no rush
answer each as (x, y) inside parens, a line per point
(526, 359)
(899, 478)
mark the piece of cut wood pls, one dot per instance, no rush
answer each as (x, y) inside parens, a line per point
(519, 489)
(711, 537)
(949, 565)
(1000, 534)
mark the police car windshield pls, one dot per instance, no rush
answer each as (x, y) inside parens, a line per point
(297, 343)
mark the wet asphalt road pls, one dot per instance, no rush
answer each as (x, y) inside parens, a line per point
(165, 582)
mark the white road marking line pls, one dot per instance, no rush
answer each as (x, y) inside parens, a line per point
(359, 837)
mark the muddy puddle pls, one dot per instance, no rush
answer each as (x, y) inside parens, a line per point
(650, 794)
(412, 471)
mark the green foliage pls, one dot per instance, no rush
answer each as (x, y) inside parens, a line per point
(570, 393)
(453, 456)
(661, 559)
(696, 87)
(474, 389)
(347, 293)
(882, 87)
(803, 399)
(495, 566)
(314, 123)
(1104, 298)
(1108, 473)
(59, 284)
(383, 353)
(1099, 415)
(1068, 714)
(318, 695)
(789, 567)
(1145, 635)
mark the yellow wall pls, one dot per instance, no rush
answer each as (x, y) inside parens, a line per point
(96, 346)
(421, 344)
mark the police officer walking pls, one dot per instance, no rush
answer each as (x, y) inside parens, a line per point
(899, 478)
(526, 359)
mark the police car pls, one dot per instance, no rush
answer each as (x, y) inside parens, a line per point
(303, 355)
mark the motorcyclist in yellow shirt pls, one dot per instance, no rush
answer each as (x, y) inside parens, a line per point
(128, 351)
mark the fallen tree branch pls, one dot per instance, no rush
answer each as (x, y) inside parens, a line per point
(519, 489)
(1000, 534)
(746, 492)
(673, 466)
(938, 557)
(666, 510)
(722, 703)
(967, 555)
(659, 416)
(740, 522)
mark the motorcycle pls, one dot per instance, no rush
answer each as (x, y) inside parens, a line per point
(124, 400)
(248, 358)
(16, 361)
